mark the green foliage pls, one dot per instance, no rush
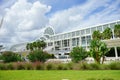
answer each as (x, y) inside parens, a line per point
(107, 33)
(117, 30)
(78, 54)
(9, 56)
(36, 45)
(96, 35)
(98, 49)
(38, 55)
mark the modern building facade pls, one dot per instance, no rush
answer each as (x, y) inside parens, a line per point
(61, 44)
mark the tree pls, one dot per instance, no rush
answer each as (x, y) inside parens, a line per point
(117, 30)
(78, 54)
(34, 45)
(96, 35)
(38, 55)
(107, 33)
(9, 56)
(28, 46)
(98, 49)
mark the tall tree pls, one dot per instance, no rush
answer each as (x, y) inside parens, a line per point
(117, 30)
(96, 35)
(98, 50)
(107, 33)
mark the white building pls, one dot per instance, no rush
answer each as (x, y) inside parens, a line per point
(61, 44)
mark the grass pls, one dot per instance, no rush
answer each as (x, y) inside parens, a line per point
(59, 75)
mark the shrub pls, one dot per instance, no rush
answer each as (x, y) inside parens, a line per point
(38, 55)
(2, 66)
(10, 66)
(9, 56)
(78, 54)
(114, 66)
(29, 66)
(20, 66)
(49, 66)
(39, 66)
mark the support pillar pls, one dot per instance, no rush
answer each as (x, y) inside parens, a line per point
(116, 53)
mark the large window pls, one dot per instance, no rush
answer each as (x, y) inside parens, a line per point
(75, 41)
(118, 22)
(65, 43)
(77, 33)
(99, 28)
(83, 41)
(112, 25)
(88, 31)
(73, 34)
(93, 29)
(105, 26)
(88, 38)
(82, 32)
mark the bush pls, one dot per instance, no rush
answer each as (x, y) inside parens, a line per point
(2, 66)
(114, 66)
(38, 55)
(78, 54)
(38, 66)
(10, 66)
(49, 67)
(9, 56)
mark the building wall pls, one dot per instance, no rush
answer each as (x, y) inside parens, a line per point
(82, 37)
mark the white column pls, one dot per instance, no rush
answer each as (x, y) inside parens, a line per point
(116, 54)
(113, 33)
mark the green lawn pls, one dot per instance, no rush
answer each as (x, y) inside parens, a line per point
(60, 75)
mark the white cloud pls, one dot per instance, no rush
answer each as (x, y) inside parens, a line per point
(23, 21)
(85, 15)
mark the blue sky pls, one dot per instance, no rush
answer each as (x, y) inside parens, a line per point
(25, 20)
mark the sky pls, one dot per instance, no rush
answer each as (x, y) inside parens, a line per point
(25, 20)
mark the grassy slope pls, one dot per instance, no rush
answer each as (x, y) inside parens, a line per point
(59, 75)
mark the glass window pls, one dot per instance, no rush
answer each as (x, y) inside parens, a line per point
(93, 29)
(112, 25)
(83, 40)
(99, 28)
(118, 22)
(82, 32)
(73, 34)
(69, 34)
(88, 31)
(65, 35)
(88, 38)
(73, 42)
(77, 33)
(105, 26)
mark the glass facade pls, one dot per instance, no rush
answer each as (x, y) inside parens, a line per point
(99, 28)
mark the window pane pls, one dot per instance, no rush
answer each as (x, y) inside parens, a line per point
(77, 33)
(105, 26)
(118, 22)
(73, 34)
(83, 40)
(99, 28)
(88, 31)
(112, 25)
(93, 29)
(82, 32)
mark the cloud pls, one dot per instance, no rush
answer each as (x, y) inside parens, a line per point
(90, 13)
(23, 21)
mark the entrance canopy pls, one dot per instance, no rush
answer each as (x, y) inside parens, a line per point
(112, 42)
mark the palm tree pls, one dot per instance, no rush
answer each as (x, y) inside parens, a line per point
(117, 30)
(35, 45)
(28, 46)
(107, 33)
(98, 49)
(96, 35)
